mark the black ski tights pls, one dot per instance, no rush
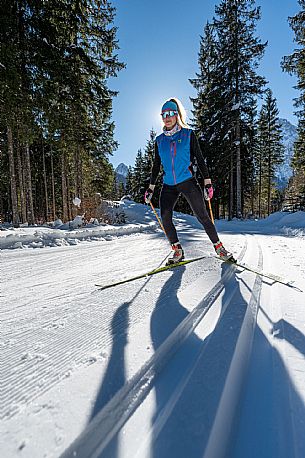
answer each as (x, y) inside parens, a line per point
(191, 190)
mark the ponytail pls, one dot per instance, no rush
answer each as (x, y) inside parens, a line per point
(181, 112)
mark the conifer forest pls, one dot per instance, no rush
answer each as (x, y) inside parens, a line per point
(57, 127)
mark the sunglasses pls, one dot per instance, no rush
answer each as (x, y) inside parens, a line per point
(168, 114)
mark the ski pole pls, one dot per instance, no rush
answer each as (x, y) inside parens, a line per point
(211, 211)
(161, 225)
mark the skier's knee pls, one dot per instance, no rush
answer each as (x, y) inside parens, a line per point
(166, 216)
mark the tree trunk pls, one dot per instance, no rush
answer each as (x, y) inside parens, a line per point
(45, 183)
(53, 186)
(78, 172)
(237, 131)
(252, 196)
(81, 181)
(70, 213)
(21, 186)
(269, 164)
(260, 188)
(231, 195)
(28, 186)
(238, 171)
(14, 200)
(269, 193)
(64, 188)
(269, 197)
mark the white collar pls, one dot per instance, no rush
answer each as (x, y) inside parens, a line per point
(175, 129)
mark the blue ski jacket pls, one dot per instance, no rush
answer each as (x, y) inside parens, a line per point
(177, 153)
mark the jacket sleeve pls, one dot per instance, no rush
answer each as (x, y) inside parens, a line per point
(156, 166)
(196, 153)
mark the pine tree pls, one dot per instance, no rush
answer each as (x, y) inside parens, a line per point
(148, 157)
(139, 178)
(103, 179)
(121, 190)
(295, 64)
(227, 86)
(16, 114)
(56, 58)
(212, 121)
(79, 60)
(249, 160)
(271, 147)
(129, 181)
(259, 158)
(294, 198)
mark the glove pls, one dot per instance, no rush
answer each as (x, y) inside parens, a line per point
(208, 191)
(148, 195)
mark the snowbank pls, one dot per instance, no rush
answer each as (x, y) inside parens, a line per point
(139, 218)
(291, 224)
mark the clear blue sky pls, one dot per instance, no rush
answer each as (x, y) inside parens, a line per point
(159, 42)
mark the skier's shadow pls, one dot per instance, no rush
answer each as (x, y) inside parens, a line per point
(190, 387)
(115, 374)
(284, 330)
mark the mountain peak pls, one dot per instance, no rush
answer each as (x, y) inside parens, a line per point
(122, 169)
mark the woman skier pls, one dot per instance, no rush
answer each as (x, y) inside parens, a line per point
(177, 149)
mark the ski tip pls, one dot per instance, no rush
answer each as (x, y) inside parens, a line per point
(101, 287)
(292, 285)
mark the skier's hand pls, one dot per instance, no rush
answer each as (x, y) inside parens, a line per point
(148, 195)
(208, 191)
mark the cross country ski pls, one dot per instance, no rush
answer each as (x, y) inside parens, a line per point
(152, 272)
(270, 276)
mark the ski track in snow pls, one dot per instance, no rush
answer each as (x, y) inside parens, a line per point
(100, 436)
(66, 326)
(108, 423)
(55, 325)
(68, 322)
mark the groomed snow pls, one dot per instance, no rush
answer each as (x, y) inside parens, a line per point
(204, 360)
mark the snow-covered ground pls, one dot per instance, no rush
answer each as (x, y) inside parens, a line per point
(204, 360)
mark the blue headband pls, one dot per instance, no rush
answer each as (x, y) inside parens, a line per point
(169, 105)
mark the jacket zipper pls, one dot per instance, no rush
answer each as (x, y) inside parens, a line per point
(173, 164)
